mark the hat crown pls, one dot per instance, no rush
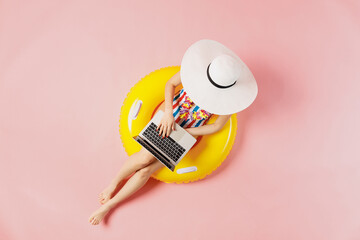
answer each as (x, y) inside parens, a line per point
(224, 70)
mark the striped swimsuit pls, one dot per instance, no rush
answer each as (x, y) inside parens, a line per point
(186, 113)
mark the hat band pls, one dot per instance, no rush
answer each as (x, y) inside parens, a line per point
(215, 84)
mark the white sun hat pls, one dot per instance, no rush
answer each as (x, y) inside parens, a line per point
(216, 79)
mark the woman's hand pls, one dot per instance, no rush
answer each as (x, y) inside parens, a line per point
(166, 124)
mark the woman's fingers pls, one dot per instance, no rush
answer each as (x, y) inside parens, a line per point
(162, 128)
(164, 131)
(159, 128)
(168, 131)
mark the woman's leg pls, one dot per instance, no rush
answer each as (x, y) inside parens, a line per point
(135, 162)
(132, 185)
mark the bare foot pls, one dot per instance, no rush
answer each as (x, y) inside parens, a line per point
(98, 215)
(106, 194)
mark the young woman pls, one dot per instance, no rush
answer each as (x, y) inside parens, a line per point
(143, 163)
(218, 80)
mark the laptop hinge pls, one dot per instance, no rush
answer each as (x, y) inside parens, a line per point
(155, 152)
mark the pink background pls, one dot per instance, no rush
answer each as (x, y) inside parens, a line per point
(66, 67)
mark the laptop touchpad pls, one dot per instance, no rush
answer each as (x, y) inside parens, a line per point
(177, 134)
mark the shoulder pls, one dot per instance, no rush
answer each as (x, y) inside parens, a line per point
(175, 80)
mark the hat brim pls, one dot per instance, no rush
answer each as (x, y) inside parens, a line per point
(220, 101)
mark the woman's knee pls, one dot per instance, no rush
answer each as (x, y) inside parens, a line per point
(144, 172)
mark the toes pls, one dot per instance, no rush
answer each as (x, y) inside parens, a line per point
(104, 200)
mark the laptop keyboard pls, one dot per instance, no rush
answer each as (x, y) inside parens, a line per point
(167, 145)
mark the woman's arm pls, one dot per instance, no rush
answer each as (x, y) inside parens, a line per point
(209, 128)
(167, 122)
(170, 86)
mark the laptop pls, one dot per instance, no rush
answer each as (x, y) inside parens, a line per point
(170, 150)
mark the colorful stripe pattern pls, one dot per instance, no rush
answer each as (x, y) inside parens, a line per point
(186, 113)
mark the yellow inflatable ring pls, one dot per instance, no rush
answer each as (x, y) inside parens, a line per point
(202, 159)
